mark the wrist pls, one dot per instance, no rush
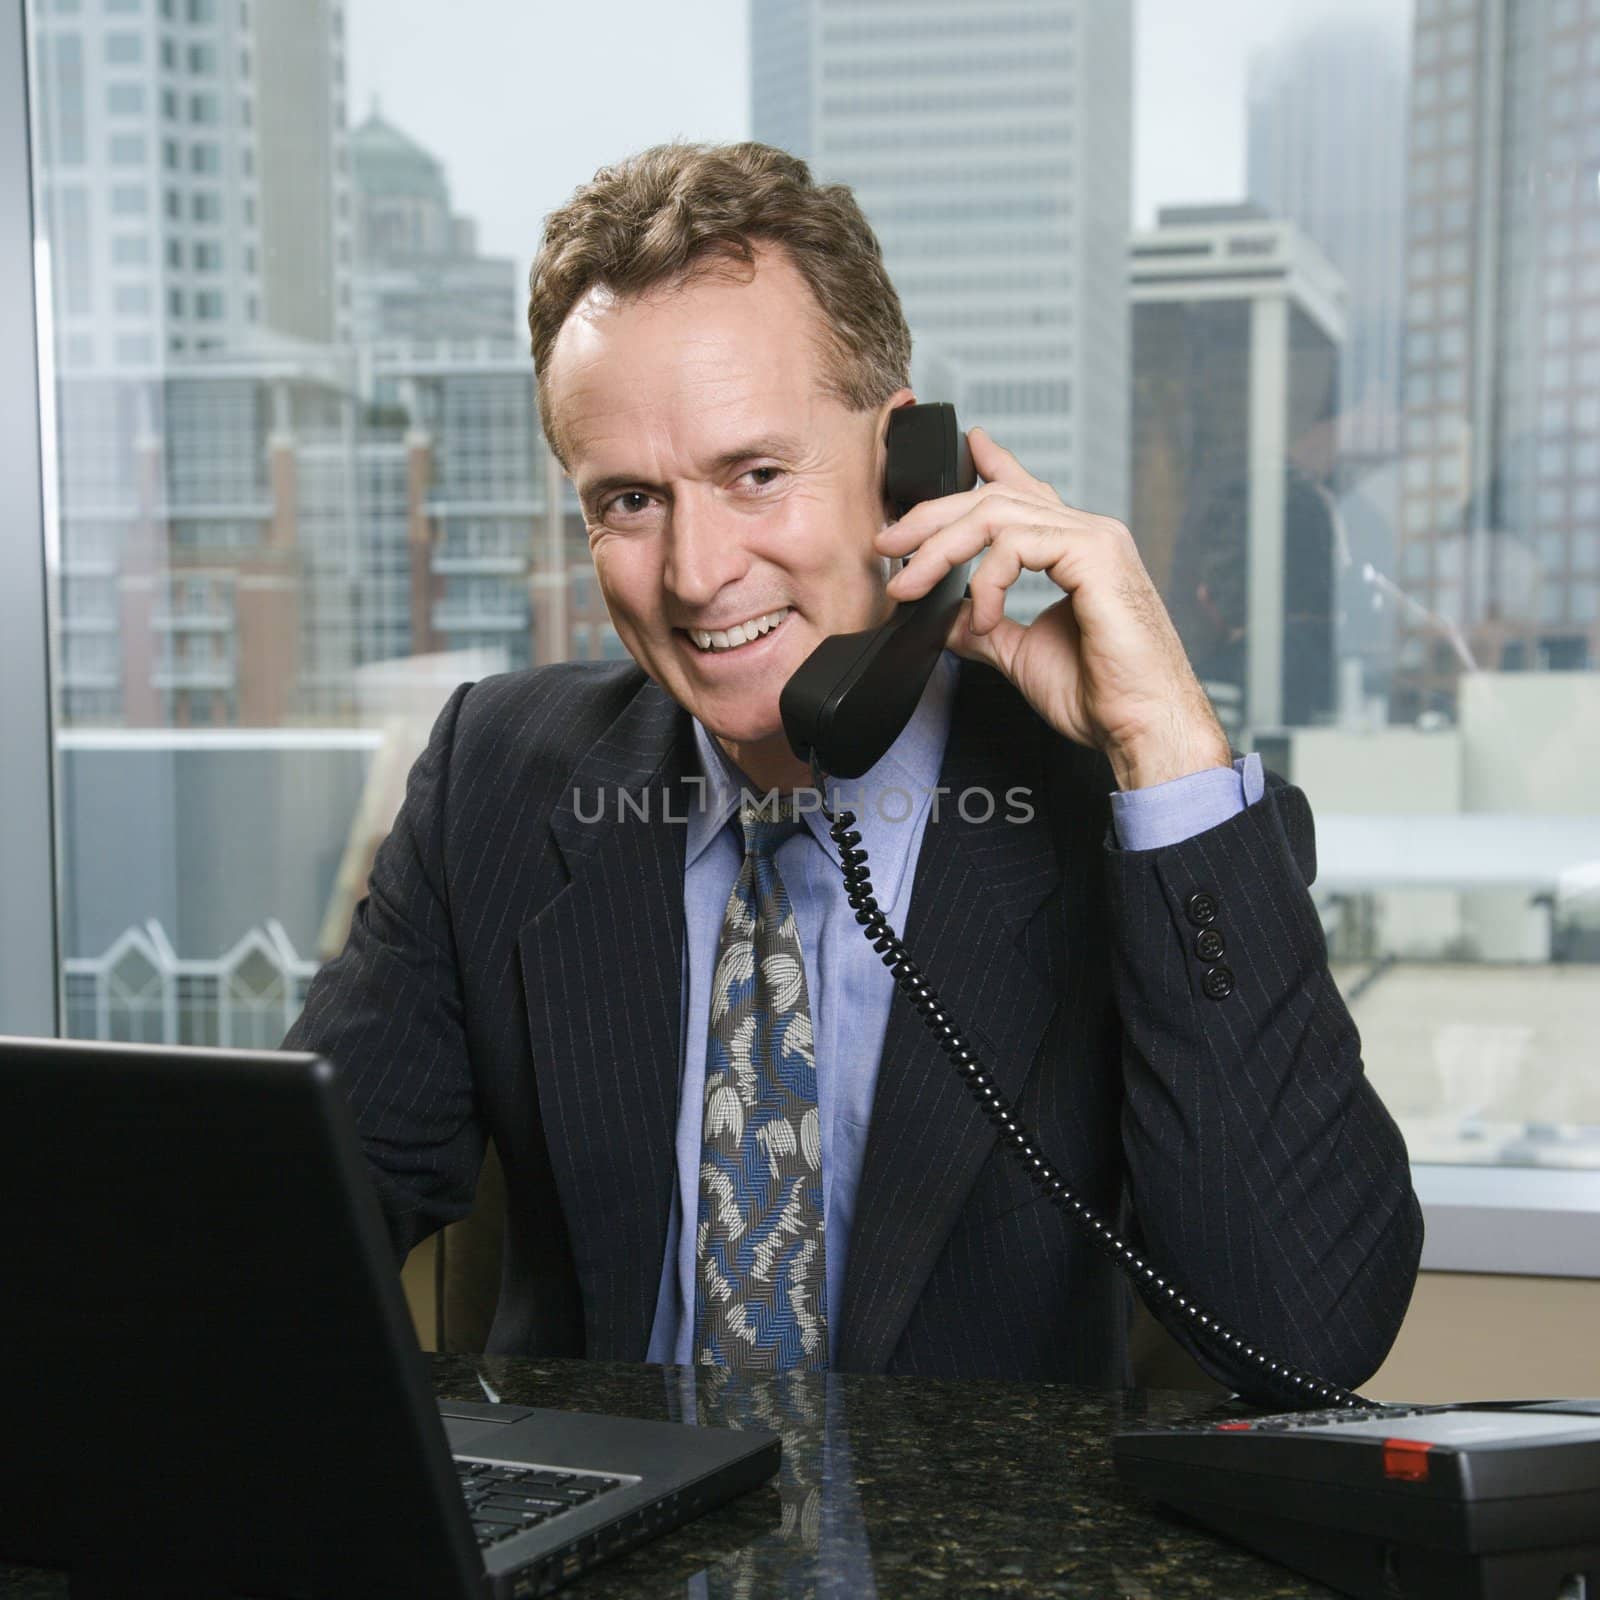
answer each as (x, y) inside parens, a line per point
(1144, 763)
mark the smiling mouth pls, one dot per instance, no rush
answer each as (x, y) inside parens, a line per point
(717, 641)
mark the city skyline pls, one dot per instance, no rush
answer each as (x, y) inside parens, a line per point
(686, 74)
(993, 211)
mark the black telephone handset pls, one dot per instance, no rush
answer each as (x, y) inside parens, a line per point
(848, 700)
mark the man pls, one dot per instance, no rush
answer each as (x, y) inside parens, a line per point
(544, 957)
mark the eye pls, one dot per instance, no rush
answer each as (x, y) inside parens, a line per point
(764, 477)
(629, 502)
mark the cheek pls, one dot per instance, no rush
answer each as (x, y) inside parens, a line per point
(630, 581)
(819, 538)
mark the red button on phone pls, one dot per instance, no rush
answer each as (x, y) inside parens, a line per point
(1406, 1459)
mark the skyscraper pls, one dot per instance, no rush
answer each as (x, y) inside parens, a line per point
(1326, 151)
(1237, 327)
(191, 175)
(990, 148)
(418, 273)
(1501, 435)
(1326, 132)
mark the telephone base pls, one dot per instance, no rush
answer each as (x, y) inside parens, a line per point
(1366, 1567)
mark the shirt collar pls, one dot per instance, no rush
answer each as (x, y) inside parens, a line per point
(889, 799)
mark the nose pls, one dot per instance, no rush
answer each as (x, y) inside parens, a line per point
(705, 549)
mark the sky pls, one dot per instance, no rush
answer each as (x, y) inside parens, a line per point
(523, 99)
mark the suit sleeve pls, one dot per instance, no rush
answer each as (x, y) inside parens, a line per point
(1267, 1179)
(387, 1012)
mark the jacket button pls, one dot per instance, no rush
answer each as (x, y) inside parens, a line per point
(1208, 944)
(1217, 983)
(1201, 909)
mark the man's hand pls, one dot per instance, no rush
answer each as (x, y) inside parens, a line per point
(1103, 665)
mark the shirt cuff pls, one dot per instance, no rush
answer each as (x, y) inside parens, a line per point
(1169, 813)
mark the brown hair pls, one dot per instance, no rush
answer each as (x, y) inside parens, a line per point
(656, 218)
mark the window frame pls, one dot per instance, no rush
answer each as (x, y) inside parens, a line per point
(29, 934)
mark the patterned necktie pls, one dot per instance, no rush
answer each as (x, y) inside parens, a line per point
(760, 1291)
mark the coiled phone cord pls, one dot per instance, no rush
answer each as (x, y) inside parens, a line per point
(1307, 1390)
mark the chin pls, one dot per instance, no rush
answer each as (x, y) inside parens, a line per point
(743, 729)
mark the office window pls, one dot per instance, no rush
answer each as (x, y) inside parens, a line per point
(124, 49)
(125, 99)
(135, 350)
(74, 259)
(61, 130)
(345, 364)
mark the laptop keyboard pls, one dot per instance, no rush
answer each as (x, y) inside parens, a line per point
(508, 1500)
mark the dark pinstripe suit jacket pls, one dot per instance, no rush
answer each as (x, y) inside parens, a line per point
(515, 972)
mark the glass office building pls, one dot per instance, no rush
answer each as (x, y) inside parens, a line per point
(991, 152)
(1501, 433)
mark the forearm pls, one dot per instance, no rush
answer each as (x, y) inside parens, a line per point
(1266, 1175)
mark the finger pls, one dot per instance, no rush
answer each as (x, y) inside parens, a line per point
(996, 464)
(1014, 551)
(988, 522)
(941, 551)
(999, 569)
(927, 517)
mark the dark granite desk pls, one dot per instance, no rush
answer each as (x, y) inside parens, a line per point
(896, 1487)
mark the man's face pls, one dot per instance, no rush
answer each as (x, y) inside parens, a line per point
(722, 488)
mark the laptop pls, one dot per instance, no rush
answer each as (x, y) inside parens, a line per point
(213, 1386)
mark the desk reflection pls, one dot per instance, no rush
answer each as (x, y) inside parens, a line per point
(899, 1488)
(904, 1488)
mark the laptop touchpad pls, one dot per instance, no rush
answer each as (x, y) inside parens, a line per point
(467, 1424)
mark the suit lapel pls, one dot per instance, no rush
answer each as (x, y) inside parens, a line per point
(977, 887)
(602, 969)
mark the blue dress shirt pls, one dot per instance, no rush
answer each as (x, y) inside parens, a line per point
(849, 988)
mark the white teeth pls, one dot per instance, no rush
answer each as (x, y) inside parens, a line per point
(741, 633)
